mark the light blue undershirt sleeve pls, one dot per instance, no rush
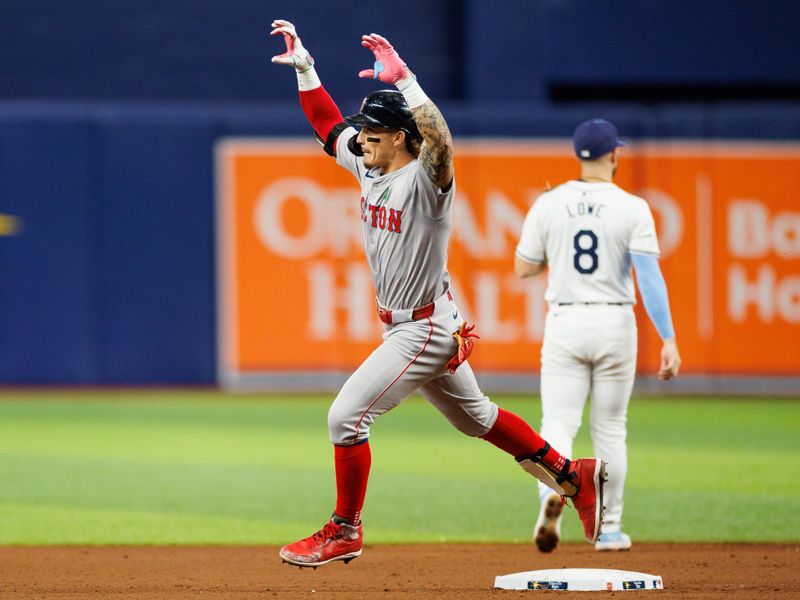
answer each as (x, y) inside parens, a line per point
(653, 289)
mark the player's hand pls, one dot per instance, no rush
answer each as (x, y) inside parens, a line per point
(296, 55)
(670, 360)
(389, 67)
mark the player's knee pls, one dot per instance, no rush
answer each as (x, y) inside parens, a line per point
(615, 423)
(477, 422)
(343, 427)
(472, 428)
(609, 432)
(562, 424)
(337, 426)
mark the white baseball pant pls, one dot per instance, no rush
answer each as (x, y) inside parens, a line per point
(590, 348)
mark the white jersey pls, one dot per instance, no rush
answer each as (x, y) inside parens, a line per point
(585, 232)
(406, 227)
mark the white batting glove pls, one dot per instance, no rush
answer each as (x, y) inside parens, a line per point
(390, 68)
(296, 55)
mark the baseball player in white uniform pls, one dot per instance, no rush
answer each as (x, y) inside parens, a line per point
(587, 233)
(402, 158)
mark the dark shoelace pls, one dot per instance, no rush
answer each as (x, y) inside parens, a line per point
(326, 532)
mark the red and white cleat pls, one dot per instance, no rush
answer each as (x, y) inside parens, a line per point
(334, 541)
(589, 477)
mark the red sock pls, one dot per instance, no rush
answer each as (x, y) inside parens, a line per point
(352, 473)
(513, 435)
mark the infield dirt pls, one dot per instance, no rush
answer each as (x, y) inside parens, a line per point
(689, 571)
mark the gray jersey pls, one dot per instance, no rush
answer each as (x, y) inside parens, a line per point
(406, 222)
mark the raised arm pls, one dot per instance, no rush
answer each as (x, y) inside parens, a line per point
(436, 155)
(437, 151)
(317, 105)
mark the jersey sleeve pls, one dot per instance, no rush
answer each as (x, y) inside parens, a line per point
(643, 234)
(345, 157)
(654, 293)
(531, 246)
(436, 202)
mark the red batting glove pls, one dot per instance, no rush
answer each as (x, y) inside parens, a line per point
(389, 67)
(466, 342)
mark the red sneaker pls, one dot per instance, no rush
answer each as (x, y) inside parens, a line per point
(589, 477)
(332, 542)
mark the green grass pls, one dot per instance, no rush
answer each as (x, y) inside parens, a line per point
(205, 467)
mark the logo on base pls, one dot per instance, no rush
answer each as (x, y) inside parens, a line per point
(548, 585)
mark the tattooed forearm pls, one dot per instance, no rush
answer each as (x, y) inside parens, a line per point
(436, 156)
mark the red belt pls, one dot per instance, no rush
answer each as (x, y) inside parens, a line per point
(421, 312)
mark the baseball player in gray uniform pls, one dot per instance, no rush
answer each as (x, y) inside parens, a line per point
(402, 157)
(588, 232)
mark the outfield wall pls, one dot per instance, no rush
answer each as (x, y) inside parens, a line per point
(291, 267)
(108, 260)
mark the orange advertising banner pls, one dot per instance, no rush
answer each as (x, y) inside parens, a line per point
(295, 293)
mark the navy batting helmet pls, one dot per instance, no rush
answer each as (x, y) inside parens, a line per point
(385, 108)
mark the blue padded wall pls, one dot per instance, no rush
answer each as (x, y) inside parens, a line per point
(211, 50)
(48, 280)
(156, 235)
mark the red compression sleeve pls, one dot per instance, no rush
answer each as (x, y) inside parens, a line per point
(352, 473)
(320, 110)
(512, 434)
